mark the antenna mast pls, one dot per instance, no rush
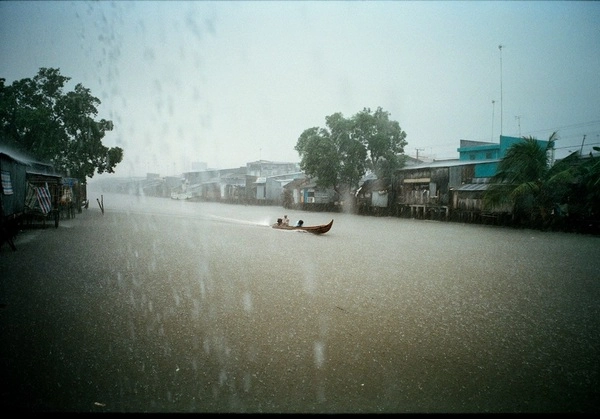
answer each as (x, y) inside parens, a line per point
(518, 118)
(500, 48)
(493, 111)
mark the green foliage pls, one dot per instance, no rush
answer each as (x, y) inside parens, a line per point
(319, 157)
(340, 154)
(37, 117)
(527, 181)
(383, 139)
(583, 195)
(590, 173)
(519, 181)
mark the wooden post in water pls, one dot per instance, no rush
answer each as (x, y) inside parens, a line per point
(101, 204)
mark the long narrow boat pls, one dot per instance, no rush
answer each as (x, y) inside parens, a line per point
(318, 229)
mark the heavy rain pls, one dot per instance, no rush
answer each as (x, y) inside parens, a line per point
(161, 305)
(156, 305)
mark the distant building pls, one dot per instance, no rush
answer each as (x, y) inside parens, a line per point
(199, 165)
(457, 184)
(265, 168)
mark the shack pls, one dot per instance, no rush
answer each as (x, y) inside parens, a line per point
(12, 189)
(12, 197)
(43, 192)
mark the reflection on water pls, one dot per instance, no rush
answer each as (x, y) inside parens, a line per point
(199, 307)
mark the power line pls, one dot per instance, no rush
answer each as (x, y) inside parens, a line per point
(575, 145)
(562, 137)
(578, 125)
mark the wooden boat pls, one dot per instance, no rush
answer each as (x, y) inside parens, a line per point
(318, 229)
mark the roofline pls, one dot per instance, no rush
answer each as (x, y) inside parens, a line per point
(447, 163)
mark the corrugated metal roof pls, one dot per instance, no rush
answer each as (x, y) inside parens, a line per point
(474, 187)
(11, 157)
(447, 163)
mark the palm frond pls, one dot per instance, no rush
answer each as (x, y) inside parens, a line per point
(524, 189)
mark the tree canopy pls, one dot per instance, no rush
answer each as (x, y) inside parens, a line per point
(340, 154)
(383, 139)
(39, 118)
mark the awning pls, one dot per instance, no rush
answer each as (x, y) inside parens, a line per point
(474, 187)
(418, 180)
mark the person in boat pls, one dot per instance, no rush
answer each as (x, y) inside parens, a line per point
(286, 220)
(299, 223)
(279, 222)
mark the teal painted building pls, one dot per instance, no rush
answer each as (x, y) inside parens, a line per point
(487, 155)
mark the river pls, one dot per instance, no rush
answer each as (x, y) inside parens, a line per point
(160, 305)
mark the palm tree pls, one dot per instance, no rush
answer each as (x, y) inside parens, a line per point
(591, 180)
(584, 192)
(522, 180)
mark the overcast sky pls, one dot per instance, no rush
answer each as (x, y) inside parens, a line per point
(227, 83)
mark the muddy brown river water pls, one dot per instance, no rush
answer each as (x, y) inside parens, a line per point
(160, 305)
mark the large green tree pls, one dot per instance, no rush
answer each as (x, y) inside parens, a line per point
(383, 139)
(331, 156)
(39, 118)
(340, 154)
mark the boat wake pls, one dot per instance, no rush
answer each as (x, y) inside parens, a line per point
(238, 221)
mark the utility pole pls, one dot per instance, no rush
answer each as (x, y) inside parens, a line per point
(581, 150)
(518, 118)
(501, 110)
(419, 149)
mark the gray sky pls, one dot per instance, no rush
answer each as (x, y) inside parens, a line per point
(231, 82)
